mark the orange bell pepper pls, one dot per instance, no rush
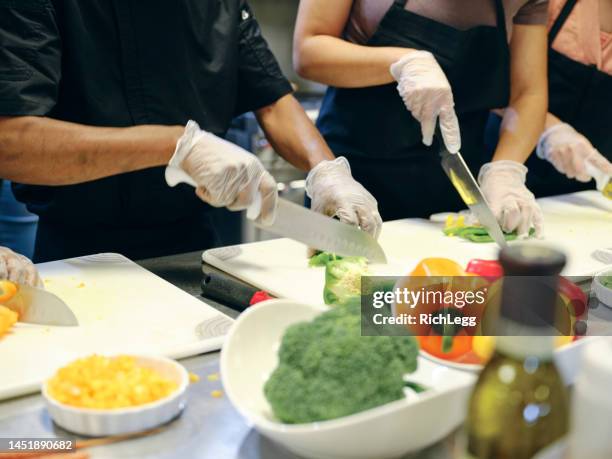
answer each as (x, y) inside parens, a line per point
(8, 290)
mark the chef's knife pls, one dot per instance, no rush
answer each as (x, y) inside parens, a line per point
(37, 306)
(304, 225)
(323, 233)
(604, 181)
(467, 187)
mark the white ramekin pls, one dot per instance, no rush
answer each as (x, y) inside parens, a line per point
(99, 422)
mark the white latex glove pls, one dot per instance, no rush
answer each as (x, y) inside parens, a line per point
(514, 206)
(225, 174)
(569, 151)
(18, 269)
(335, 193)
(427, 94)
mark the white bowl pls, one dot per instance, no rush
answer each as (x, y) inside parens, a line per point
(249, 355)
(99, 422)
(603, 293)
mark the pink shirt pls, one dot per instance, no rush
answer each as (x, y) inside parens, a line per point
(366, 15)
(581, 38)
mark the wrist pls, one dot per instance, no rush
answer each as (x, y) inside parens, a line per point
(503, 166)
(407, 55)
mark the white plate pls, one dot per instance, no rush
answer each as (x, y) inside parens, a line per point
(392, 430)
(98, 423)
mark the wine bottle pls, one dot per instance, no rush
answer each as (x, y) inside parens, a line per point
(519, 406)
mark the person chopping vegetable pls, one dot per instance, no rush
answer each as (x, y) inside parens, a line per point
(577, 135)
(94, 100)
(451, 63)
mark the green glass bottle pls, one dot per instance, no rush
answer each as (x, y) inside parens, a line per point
(519, 406)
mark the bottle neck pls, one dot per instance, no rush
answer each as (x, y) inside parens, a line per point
(521, 347)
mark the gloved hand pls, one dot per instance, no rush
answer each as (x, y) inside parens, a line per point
(335, 193)
(427, 94)
(569, 151)
(225, 175)
(514, 206)
(18, 269)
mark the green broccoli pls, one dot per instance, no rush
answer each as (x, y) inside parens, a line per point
(343, 280)
(328, 370)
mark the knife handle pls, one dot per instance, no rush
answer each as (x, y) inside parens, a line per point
(230, 291)
(598, 175)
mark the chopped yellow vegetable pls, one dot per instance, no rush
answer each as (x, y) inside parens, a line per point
(8, 290)
(7, 319)
(213, 377)
(216, 393)
(108, 383)
(193, 378)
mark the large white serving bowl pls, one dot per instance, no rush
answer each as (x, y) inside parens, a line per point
(98, 422)
(249, 355)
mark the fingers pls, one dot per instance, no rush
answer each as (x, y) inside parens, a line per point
(370, 222)
(449, 126)
(428, 127)
(205, 196)
(269, 198)
(526, 220)
(17, 268)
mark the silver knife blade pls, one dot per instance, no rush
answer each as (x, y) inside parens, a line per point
(467, 187)
(37, 306)
(323, 233)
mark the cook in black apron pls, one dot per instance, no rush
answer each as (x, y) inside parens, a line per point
(381, 139)
(581, 96)
(121, 63)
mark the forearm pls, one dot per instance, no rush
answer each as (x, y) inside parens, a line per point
(522, 125)
(292, 134)
(524, 119)
(337, 62)
(43, 151)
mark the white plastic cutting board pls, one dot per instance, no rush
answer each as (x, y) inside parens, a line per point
(121, 308)
(578, 224)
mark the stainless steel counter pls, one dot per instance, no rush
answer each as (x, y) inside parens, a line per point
(208, 428)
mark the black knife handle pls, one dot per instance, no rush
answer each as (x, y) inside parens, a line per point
(227, 290)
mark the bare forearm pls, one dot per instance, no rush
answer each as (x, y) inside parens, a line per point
(522, 125)
(292, 134)
(334, 61)
(43, 151)
(524, 119)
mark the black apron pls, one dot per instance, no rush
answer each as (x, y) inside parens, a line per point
(580, 95)
(383, 142)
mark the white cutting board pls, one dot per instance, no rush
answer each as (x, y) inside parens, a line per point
(578, 224)
(121, 308)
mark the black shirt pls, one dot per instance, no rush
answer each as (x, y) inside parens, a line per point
(129, 62)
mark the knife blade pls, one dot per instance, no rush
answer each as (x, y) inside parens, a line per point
(37, 306)
(462, 179)
(303, 225)
(323, 233)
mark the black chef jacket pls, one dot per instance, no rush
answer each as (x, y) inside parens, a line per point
(123, 63)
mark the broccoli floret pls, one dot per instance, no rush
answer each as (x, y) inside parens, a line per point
(328, 370)
(343, 280)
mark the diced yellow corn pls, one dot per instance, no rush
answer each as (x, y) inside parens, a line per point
(108, 382)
